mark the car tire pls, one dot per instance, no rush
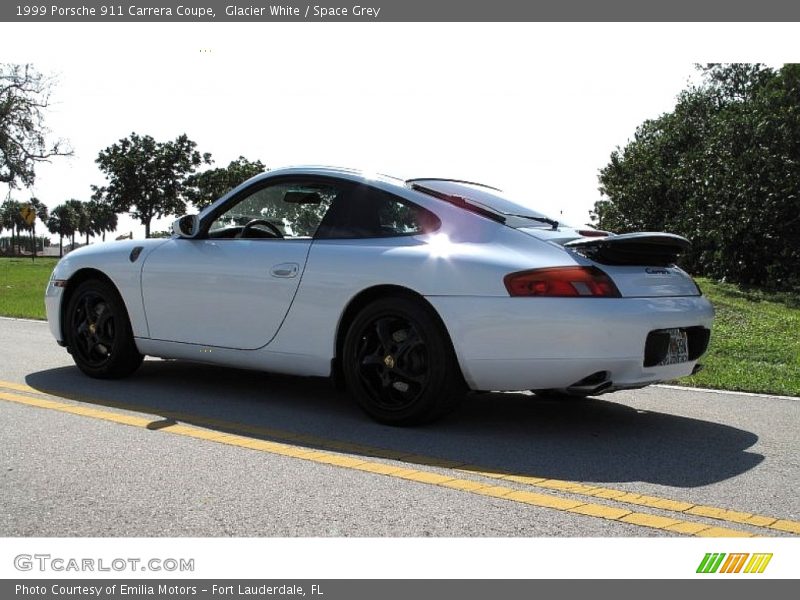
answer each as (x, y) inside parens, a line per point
(399, 364)
(98, 332)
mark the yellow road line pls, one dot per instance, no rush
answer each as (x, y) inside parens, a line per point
(426, 477)
(617, 496)
(19, 387)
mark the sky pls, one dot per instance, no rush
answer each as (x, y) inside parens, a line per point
(534, 109)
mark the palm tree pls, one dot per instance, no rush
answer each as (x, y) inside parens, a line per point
(62, 222)
(11, 217)
(4, 224)
(102, 218)
(41, 213)
(82, 224)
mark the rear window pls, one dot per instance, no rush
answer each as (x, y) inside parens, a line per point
(482, 196)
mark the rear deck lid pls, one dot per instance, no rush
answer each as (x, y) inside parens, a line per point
(641, 264)
(644, 248)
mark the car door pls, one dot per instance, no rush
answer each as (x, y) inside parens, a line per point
(232, 285)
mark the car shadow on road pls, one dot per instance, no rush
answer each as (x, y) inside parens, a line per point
(591, 440)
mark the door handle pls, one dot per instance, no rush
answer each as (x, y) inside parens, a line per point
(287, 270)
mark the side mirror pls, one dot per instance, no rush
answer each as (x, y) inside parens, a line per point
(187, 226)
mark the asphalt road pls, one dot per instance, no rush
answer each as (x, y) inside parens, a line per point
(184, 449)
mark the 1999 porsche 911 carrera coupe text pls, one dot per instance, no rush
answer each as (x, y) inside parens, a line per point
(412, 292)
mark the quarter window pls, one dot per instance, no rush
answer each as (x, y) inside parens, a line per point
(366, 212)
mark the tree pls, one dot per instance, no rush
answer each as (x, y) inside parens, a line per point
(102, 216)
(4, 223)
(148, 178)
(40, 209)
(62, 222)
(723, 169)
(24, 137)
(82, 223)
(88, 223)
(204, 188)
(11, 217)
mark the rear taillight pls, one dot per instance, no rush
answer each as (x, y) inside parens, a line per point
(562, 282)
(697, 285)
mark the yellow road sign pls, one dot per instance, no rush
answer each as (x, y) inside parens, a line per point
(28, 214)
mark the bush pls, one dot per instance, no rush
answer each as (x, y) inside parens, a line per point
(722, 169)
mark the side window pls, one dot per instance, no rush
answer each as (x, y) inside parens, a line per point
(365, 212)
(284, 210)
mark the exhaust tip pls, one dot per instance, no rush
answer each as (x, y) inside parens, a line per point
(591, 385)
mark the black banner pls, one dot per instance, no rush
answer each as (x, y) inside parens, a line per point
(372, 11)
(397, 589)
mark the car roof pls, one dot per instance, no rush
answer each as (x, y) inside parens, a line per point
(399, 186)
(330, 171)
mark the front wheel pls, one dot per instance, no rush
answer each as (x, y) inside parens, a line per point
(399, 365)
(98, 332)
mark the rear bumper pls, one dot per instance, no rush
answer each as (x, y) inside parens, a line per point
(534, 343)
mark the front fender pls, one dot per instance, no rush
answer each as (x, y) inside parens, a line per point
(119, 262)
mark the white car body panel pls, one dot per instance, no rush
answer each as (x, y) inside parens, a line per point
(113, 260)
(521, 343)
(217, 301)
(185, 282)
(650, 282)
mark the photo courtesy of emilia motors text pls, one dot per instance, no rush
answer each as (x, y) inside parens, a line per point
(399, 299)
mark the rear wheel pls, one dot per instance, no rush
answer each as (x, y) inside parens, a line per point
(98, 332)
(399, 365)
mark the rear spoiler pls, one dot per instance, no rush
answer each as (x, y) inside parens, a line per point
(643, 248)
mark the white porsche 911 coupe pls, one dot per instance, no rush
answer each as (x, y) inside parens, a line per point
(408, 292)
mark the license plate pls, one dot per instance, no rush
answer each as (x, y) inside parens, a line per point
(678, 347)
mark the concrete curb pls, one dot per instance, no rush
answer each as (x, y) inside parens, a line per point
(726, 392)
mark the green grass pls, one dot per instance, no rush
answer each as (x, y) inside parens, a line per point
(22, 285)
(755, 345)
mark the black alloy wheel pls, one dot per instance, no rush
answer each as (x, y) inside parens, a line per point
(393, 362)
(399, 364)
(98, 332)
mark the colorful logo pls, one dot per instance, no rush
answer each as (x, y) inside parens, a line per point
(734, 563)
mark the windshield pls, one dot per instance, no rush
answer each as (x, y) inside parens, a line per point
(482, 196)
